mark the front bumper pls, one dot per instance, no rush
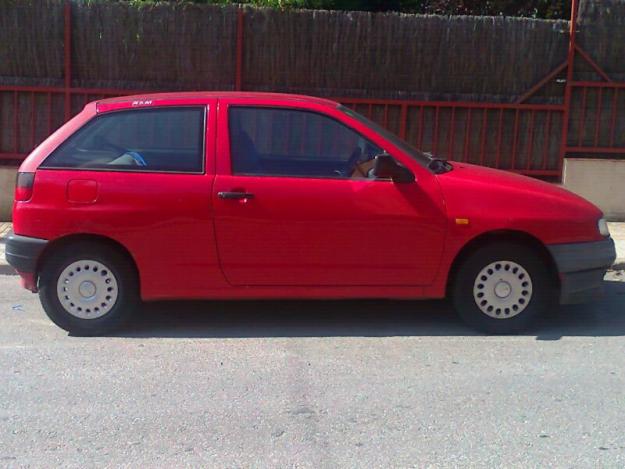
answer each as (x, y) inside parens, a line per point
(581, 267)
(23, 252)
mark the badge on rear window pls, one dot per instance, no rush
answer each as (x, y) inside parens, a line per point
(142, 102)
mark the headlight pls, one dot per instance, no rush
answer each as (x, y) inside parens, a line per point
(603, 227)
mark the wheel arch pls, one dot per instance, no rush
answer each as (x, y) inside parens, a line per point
(63, 241)
(496, 236)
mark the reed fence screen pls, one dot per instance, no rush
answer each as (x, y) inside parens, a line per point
(490, 90)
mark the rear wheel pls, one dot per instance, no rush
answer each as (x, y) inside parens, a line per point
(88, 288)
(501, 288)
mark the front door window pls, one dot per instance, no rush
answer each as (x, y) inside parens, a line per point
(296, 143)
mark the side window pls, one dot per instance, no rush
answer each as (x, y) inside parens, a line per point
(287, 142)
(159, 139)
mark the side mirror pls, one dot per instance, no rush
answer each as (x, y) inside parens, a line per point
(386, 167)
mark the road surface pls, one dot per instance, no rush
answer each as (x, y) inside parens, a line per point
(312, 384)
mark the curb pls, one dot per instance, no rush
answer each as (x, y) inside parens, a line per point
(6, 269)
(618, 265)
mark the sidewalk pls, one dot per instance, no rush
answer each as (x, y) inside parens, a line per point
(5, 269)
(616, 229)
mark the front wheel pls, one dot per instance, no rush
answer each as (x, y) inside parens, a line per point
(88, 289)
(502, 288)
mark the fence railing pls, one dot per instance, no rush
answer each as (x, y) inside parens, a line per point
(601, 109)
(531, 139)
(515, 137)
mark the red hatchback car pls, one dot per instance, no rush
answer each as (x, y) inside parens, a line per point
(255, 195)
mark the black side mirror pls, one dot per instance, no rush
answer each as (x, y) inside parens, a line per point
(386, 167)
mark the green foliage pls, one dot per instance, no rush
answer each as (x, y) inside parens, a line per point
(551, 9)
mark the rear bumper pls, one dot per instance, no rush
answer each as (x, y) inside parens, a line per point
(23, 252)
(581, 267)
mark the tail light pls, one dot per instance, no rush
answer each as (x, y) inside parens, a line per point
(24, 186)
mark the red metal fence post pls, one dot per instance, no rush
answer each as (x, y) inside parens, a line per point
(67, 49)
(238, 79)
(568, 89)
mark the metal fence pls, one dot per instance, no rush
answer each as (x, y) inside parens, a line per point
(515, 137)
(522, 137)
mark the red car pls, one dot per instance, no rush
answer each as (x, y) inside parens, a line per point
(256, 195)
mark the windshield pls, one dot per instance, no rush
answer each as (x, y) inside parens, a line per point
(418, 155)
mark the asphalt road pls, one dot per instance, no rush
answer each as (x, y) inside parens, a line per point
(312, 384)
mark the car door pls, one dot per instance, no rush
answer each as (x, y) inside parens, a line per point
(288, 210)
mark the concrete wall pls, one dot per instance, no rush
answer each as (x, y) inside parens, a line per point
(7, 188)
(600, 181)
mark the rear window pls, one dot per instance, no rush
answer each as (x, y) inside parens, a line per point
(162, 140)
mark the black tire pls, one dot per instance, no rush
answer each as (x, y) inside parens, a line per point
(542, 296)
(118, 266)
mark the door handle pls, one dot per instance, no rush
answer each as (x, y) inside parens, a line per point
(235, 195)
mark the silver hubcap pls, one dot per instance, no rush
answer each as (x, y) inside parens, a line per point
(87, 289)
(502, 289)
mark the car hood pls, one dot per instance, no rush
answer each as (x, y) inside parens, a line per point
(517, 202)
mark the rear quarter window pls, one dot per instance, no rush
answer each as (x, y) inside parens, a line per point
(157, 139)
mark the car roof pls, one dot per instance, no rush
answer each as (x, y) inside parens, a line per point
(186, 96)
